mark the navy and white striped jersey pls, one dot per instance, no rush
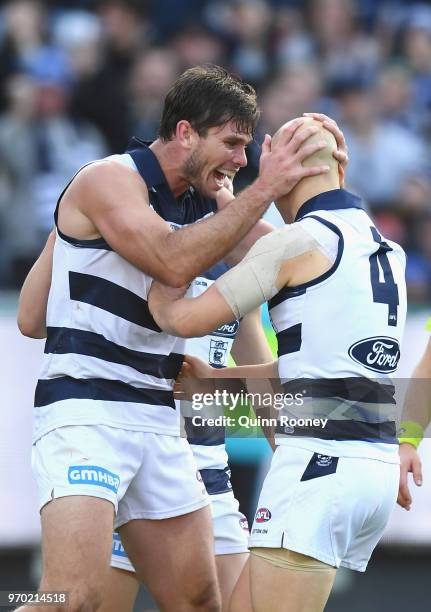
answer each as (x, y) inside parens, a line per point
(339, 335)
(208, 442)
(106, 361)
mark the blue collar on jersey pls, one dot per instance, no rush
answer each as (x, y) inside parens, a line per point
(146, 162)
(150, 170)
(161, 197)
(187, 208)
(329, 200)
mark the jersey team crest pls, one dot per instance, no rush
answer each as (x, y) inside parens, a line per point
(218, 353)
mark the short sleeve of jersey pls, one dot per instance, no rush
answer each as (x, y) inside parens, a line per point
(327, 239)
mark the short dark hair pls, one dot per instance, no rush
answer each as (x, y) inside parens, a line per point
(208, 96)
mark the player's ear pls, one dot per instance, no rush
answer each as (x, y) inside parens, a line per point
(185, 134)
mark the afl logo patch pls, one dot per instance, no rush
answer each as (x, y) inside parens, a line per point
(263, 515)
(379, 353)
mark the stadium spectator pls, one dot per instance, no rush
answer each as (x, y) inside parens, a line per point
(343, 47)
(40, 148)
(395, 98)
(366, 63)
(417, 50)
(26, 46)
(383, 154)
(195, 45)
(151, 77)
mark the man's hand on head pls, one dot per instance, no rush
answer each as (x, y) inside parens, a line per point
(280, 167)
(341, 154)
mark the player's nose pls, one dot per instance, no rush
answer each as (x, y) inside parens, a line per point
(240, 158)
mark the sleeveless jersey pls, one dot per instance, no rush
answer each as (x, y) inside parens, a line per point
(106, 361)
(339, 337)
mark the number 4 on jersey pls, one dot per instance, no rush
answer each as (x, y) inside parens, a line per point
(384, 291)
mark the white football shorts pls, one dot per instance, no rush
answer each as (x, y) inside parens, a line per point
(145, 475)
(333, 509)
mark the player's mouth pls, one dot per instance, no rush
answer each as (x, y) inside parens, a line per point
(220, 174)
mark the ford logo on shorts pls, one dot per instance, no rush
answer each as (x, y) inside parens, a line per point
(379, 354)
(263, 515)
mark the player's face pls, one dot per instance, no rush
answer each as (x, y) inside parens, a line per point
(219, 154)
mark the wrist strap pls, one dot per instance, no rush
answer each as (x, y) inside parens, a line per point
(411, 433)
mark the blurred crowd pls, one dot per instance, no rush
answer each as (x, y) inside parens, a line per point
(78, 79)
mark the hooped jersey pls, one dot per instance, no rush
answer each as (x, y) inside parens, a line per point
(208, 442)
(339, 337)
(106, 361)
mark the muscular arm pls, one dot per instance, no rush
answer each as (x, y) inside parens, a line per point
(188, 317)
(224, 197)
(297, 260)
(33, 298)
(112, 200)
(139, 235)
(261, 228)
